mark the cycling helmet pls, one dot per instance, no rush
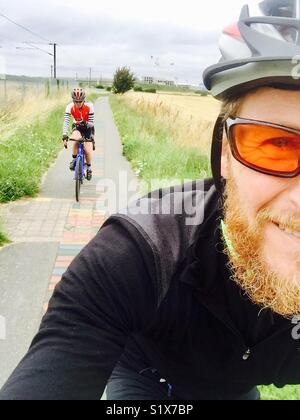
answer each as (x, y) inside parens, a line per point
(78, 95)
(262, 49)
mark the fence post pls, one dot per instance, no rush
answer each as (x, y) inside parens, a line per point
(3, 71)
(23, 90)
(5, 90)
(47, 88)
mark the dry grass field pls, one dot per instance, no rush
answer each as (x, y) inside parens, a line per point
(190, 118)
(22, 107)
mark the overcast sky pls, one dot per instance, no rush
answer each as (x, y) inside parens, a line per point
(180, 36)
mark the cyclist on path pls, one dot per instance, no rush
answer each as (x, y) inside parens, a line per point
(84, 117)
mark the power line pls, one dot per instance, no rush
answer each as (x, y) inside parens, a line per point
(37, 48)
(54, 55)
(23, 27)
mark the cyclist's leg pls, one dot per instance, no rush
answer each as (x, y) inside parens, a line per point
(90, 132)
(75, 149)
(74, 156)
(125, 384)
(88, 152)
(74, 152)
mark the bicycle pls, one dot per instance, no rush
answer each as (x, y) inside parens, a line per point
(80, 167)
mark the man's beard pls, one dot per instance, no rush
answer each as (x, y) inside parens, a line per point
(265, 287)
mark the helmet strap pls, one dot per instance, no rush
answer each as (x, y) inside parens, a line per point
(216, 153)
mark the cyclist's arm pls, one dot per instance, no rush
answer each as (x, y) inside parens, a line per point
(107, 293)
(67, 120)
(91, 114)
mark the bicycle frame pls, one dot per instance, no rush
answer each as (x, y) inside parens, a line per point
(80, 162)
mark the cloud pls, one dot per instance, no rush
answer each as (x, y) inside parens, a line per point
(104, 37)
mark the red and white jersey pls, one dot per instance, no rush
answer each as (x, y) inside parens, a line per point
(85, 113)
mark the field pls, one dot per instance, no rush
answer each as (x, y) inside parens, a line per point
(22, 104)
(168, 137)
(189, 118)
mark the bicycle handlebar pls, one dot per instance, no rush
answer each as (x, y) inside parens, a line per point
(83, 140)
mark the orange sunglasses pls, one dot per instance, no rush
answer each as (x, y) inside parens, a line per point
(265, 147)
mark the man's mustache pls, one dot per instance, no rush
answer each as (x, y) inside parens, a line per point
(285, 219)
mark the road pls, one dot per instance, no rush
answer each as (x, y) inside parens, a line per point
(48, 232)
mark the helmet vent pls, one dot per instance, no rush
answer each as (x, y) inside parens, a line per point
(233, 31)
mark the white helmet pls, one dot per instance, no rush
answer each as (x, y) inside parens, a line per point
(259, 50)
(78, 95)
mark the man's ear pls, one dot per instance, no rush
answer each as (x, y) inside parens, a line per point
(225, 157)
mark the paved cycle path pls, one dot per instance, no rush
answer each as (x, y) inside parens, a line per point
(47, 233)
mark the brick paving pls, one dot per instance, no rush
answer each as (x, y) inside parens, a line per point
(82, 223)
(66, 222)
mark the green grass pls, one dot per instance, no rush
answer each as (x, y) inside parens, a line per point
(92, 97)
(3, 239)
(289, 393)
(26, 156)
(149, 147)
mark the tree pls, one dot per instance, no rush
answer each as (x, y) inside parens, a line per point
(123, 80)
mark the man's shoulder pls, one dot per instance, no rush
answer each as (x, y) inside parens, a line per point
(185, 206)
(169, 220)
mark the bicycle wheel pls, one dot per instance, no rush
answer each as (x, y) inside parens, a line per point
(78, 178)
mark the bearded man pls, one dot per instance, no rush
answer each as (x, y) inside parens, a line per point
(195, 305)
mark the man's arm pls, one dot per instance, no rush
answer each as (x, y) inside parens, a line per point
(107, 293)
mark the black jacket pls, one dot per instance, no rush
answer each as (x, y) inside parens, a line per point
(154, 291)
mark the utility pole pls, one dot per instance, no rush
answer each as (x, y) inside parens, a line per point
(54, 56)
(90, 77)
(5, 90)
(51, 72)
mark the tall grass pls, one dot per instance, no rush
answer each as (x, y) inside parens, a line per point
(189, 119)
(17, 113)
(150, 147)
(27, 154)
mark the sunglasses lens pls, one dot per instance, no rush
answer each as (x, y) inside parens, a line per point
(268, 148)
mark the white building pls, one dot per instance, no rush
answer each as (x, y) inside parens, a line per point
(158, 81)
